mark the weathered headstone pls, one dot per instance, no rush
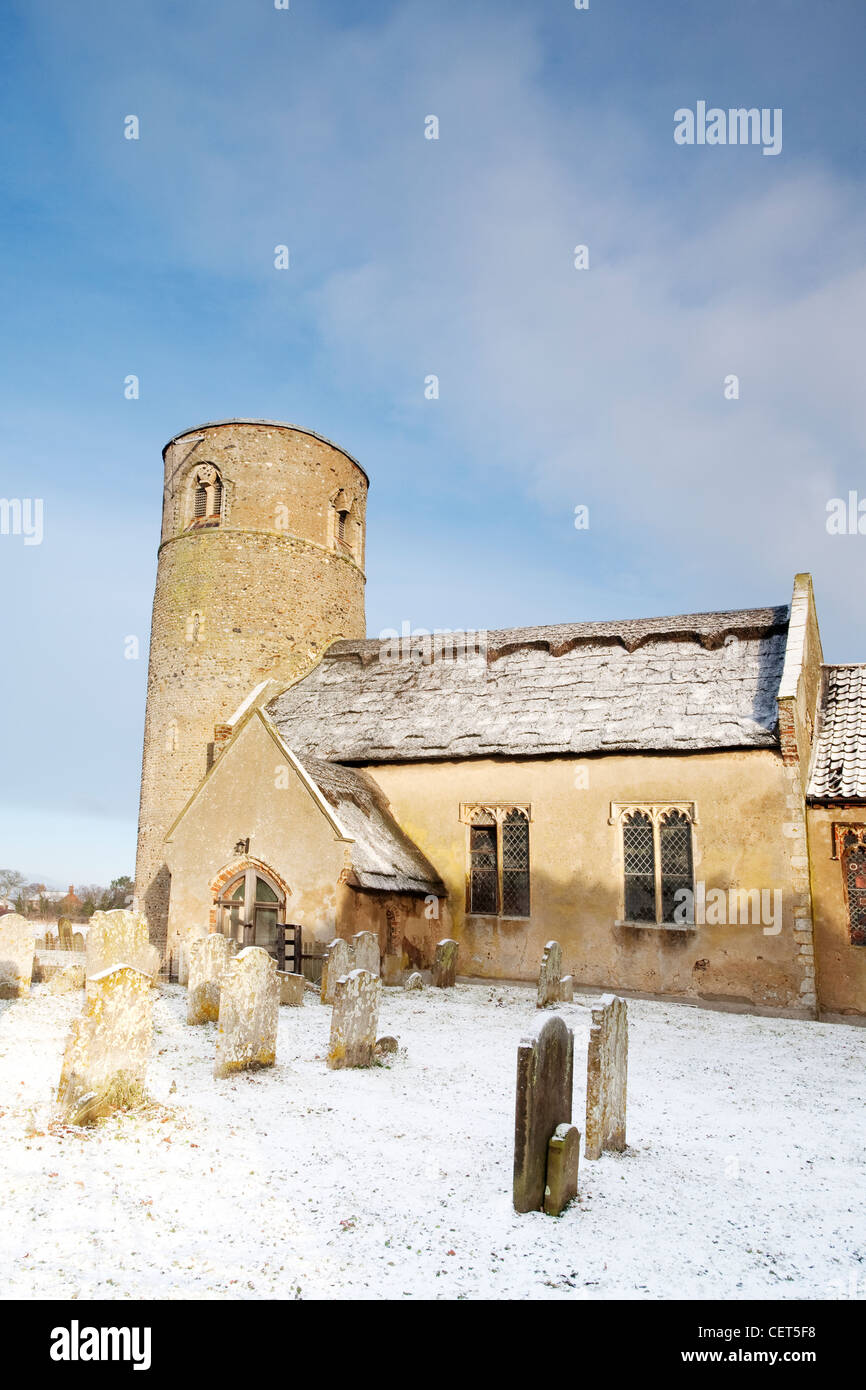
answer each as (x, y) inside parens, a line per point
(386, 1044)
(291, 989)
(337, 962)
(545, 1066)
(354, 1020)
(365, 952)
(47, 964)
(120, 937)
(67, 980)
(445, 964)
(249, 1013)
(414, 981)
(208, 961)
(17, 948)
(566, 989)
(563, 1158)
(64, 934)
(392, 969)
(108, 1045)
(78, 942)
(549, 975)
(606, 1076)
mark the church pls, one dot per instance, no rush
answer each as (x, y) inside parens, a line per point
(679, 801)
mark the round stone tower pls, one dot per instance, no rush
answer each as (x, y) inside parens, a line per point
(261, 567)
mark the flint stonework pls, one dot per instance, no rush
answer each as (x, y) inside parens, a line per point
(209, 957)
(606, 1077)
(105, 1061)
(120, 937)
(291, 989)
(354, 1020)
(249, 1013)
(549, 975)
(337, 963)
(17, 949)
(545, 1066)
(365, 952)
(563, 1158)
(445, 964)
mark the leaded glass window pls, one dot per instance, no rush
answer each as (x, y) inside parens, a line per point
(854, 868)
(498, 883)
(484, 866)
(639, 851)
(675, 847)
(515, 865)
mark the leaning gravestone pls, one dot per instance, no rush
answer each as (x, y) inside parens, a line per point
(108, 1045)
(354, 1020)
(208, 961)
(291, 989)
(120, 937)
(249, 1013)
(414, 981)
(365, 952)
(17, 948)
(64, 934)
(337, 962)
(545, 1065)
(549, 975)
(563, 1158)
(606, 1076)
(445, 964)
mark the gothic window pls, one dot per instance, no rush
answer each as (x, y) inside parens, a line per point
(657, 862)
(851, 847)
(250, 909)
(498, 879)
(207, 497)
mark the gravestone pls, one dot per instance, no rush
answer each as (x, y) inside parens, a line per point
(606, 1076)
(64, 934)
(47, 964)
(78, 942)
(414, 981)
(545, 1065)
(386, 1045)
(392, 969)
(17, 949)
(365, 952)
(291, 989)
(445, 964)
(549, 975)
(120, 937)
(67, 980)
(108, 1045)
(563, 1158)
(566, 989)
(208, 961)
(354, 1020)
(249, 1013)
(338, 962)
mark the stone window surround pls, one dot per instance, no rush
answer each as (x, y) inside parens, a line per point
(498, 810)
(655, 810)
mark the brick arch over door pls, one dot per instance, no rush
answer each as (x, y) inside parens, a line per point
(234, 870)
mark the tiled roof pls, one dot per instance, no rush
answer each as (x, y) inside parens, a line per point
(697, 681)
(838, 770)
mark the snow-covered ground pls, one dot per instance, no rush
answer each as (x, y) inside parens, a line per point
(743, 1176)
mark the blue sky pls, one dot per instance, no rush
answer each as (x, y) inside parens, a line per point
(558, 387)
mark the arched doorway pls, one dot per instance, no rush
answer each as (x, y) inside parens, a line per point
(251, 909)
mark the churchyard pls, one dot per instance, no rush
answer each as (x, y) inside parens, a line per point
(350, 1170)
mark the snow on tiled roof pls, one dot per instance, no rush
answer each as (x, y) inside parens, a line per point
(839, 758)
(700, 680)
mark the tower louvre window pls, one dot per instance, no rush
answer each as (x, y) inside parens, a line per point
(200, 501)
(216, 505)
